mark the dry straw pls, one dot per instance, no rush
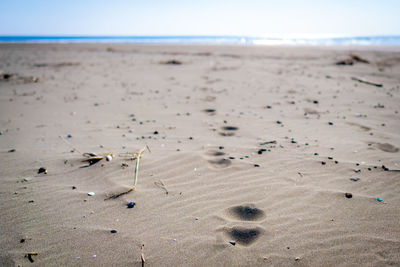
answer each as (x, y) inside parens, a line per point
(137, 156)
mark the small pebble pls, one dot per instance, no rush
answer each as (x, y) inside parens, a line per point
(354, 179)
(22, 240)
(131, 205)
(69, 136)
(91, 194)
(357, 170)
(323, 162)
(233, 243)
(297, 259)
(109, 158)
(42, 170)
(113, 231)
(348, 195)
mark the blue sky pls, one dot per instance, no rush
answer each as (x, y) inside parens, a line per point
(208, 17)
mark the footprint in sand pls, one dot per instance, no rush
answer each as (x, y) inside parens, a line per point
(215, 153)
(246, 213)
(210, 111)
(218, 162)
(387, 147)
(228, 130)
(244, 236)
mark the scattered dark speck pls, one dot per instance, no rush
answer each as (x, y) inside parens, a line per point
(330, 123)
(11, 150)
(315, 102)
(113, 231)
(130, 205)
(348, 195)
(221, 147)
(42, 170)
(256, 165)
(155, 132)
(323, 162)
(278, 122)
(336, 162)
(73, 187)
(354, 179)
(316, 154)
(22, 240)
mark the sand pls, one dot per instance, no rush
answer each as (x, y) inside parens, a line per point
(251, 154)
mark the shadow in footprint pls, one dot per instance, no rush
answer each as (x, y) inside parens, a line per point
(215, 153)
(228, 130)
(243, 236)
(210, 111)
(246, 213)
(220, 163)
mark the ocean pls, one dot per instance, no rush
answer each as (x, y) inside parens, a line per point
(227, 40)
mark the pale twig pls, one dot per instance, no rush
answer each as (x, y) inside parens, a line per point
(137, 156)
(142, 256)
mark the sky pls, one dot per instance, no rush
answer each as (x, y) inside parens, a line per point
(292, 18)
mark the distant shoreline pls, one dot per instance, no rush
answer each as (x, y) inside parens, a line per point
(213, 40)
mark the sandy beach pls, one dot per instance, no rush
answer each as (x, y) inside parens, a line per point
(254, 155)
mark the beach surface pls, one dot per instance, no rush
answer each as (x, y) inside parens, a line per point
(249, 154)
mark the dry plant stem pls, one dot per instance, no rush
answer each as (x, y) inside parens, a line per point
(138, 155)
(366, 82)
(142, 256)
